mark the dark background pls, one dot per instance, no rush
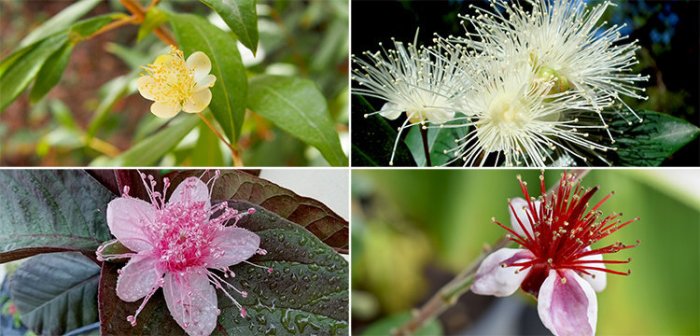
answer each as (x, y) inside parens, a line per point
(668, 31)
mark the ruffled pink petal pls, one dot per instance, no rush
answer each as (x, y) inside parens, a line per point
(597, 279)
(567, 304)
(191, 189)
(520, 207)
(126, 218)
(233, 245)
(494, 279)
(138, 278)
(191, 300)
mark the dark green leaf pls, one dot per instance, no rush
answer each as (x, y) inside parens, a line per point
(148, 151)
(50, 211)
(51, 72)
(56, 293)
(307, 212)
(373, 139)
(60, 21)
(652, 141)
(306, 294)
(296, 106)
(207, 151)
(241, 17)
(24, 69)
(439, 141)
(229, 93)
(387, 325)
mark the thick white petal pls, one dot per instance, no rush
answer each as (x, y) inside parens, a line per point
(390, 111)
(165, 110)
(192, 301)
(145, 84)
(236, 245)
(139, 277)
(197, 102)
(567, 304)
(520, 207)
(200, 63)
(493, 279)
(126, 218)
(191, 189)
(205, 83)
(439, 116)
(599, 279)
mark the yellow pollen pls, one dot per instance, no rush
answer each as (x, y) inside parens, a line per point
(173, 80)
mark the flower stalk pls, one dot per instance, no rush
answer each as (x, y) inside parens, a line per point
(459, 285)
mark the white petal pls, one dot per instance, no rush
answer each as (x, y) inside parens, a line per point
(439, 116)
(599, 279)
(567, 304)
(165, 110)
(390, 111)
(200, 63)
(197, 102)
(521, 210)
(191, 189)
(145, 84)
(126, 218)
(192, 301)
(493, 279)
(205, 83)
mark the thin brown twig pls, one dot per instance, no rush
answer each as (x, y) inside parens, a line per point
(234, 153)
(459, 285)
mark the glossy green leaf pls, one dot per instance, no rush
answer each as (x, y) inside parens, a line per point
(60, 21)
(51, 72)
(85, 28)
(24, 69)
(154, 18)
(306, 294)
(373, 139)
(12, 58)
(207, 151)
(50, 211)
(296, 106)
(150, 150)
(652, 141)
(311, 214)
(229, 93)
(241, 17)
(387, 325)
(55, 293)
(439, 141)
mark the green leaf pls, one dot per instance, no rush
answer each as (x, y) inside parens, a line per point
(114, 90)
(386, 325)
(207, 151)
(21, 72)
(56, 293)
(148, 151)
(241, 17)
(50, 211)
(51, 72)
(307, 293)
(307, 212)
(652, 141)
(154, 18)
(229, 93)
(296, 106)
(373, 139)
(439, 141)
(85, 28)
(60, 21)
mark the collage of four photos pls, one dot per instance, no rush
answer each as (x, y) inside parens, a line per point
(349, 167)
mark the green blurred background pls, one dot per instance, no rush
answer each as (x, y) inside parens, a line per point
(413, 230)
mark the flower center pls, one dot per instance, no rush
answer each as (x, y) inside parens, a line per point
(506, 112)
(173, 80)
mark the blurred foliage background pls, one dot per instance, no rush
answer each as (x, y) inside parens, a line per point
(413, 230)
(308, 39)
(668, 32)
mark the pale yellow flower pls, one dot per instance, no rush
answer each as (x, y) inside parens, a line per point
(177, 85)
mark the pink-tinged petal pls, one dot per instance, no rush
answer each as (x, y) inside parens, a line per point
(520, 206)
(597, 279)
(126, 218)
(494, 279)
(233, 245)
(191, 300)
(567, 304)
(191, 189)
(138, 278)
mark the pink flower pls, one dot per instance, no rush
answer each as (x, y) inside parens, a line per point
(176, 246)
(555, 262)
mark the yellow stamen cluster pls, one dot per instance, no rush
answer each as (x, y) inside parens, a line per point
(173, 81)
